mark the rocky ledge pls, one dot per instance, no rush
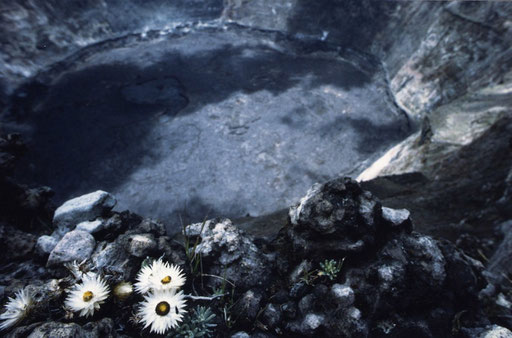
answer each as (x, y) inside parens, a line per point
(342, 266)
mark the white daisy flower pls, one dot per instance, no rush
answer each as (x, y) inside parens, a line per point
(162, 310)
(17, 308)
(159, 276)
(87, 296)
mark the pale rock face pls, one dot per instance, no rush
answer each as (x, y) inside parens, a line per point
(91, 226)
(84, 208)
(395, 216)
(76, 245)
(451, 126)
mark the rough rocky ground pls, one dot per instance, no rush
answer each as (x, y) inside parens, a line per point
(384, 280)
(444, 65)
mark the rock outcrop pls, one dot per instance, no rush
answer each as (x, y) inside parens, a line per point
(387, 283)
(82, 209)
(343, 266)
(76, 245)
(227, 251)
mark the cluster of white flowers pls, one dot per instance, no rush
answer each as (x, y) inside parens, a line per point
(163, 306)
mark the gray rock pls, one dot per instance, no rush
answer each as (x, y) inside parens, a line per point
(396, 217)
(496, 331)
(298, 289)
(308, 326)
(84, 208)
(500, 262)
(464, 275)
(45, 244)
(116, 224)
(22, 331)
(300, 270)
(151, 226)
(336, 217)
(306, 304)
(226, 250)
(390, 275)
(56, 329)
(348, 323)
(333, 311)
(75, 245)
(114, 257)
(311, 323)
(141, 245)
(172, 250)
(343, 295)
(289, 310)
(320, 291)
(241, 334)
(271, 315)
(249, 305)
(91, 226)
(426, 250)
(102, 328)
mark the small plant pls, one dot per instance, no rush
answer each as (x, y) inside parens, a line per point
(194, 258)
(200, 324)
(330, 268)
(456, 322)
(309, 276)
(229, 320)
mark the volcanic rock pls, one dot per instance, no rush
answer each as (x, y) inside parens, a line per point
(84, 208)
(45, 244)
(226, 250)
(76, 245)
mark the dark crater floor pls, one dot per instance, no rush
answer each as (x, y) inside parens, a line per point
(217, 122)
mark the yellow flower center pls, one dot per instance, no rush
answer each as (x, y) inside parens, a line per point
(162, 308)
(166, 280)
(87, 296)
